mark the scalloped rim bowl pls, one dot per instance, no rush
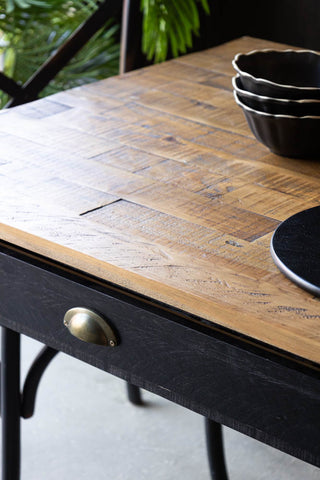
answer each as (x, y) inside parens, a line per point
(273, 105)
(268, 87)
(287, 135)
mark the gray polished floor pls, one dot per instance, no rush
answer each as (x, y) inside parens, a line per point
(85, 428)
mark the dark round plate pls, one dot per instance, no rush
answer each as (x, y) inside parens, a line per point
(295, 249)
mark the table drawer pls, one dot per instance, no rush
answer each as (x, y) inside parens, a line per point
(192, 365)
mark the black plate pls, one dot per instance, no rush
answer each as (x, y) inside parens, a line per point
(295, 249)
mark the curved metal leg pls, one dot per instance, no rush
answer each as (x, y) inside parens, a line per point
(32, 380)
(134, 394)
(10, 404)
(215, 450)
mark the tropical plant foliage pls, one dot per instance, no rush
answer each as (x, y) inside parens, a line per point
(168, 26)
(33, 29)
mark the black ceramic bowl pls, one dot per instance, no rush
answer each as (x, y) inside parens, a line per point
(284, 106)
(296, 137)
(293, 74)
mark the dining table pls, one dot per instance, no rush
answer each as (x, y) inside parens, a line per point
(136, 217)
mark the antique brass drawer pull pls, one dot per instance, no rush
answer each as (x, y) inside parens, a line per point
(89, 327)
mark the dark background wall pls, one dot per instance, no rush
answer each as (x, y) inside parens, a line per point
(296, 22)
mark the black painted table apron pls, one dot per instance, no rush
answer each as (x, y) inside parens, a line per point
(248, 387)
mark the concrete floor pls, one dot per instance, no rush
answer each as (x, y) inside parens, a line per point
(85, 428)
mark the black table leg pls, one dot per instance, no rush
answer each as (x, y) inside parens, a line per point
(215, 450)
(10, 404)
(134, 394)
(32, 380)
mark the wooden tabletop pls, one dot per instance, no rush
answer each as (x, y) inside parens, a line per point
(152, 180)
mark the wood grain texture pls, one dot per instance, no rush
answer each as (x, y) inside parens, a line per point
(153, 181)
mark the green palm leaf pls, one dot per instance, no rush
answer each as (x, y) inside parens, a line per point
(169, 24)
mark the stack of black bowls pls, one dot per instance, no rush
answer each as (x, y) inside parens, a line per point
(279, 92)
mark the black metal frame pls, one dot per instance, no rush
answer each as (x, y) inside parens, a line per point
(31, 384)
(215, 450)
(134, 394)
(10, 404)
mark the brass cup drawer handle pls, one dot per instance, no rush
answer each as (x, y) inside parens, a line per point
(89, 327)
